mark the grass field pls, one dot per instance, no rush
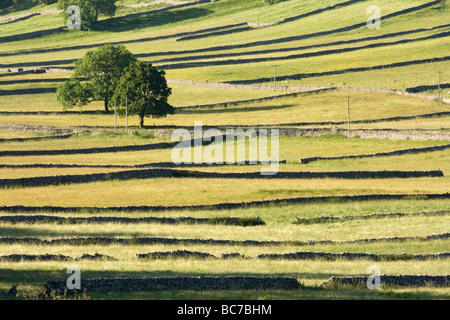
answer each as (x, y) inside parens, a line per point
(315, 44)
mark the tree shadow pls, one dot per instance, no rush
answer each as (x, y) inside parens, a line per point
(24, 6)
(19, 19)
(19, 232)
(147, 19)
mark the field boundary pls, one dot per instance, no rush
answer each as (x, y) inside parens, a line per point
(278, 50)
(227, 206)
(380, 154)
(43, 181)
(178, 283)
(199, 64)
(56, 137)
(234, 221)
(300, 76)
(391, 280)
(311, 255)
(325, 219)
(301, 255)
(78, 241)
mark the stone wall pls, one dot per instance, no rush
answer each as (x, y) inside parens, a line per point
(233, 221)
(178, 283)
(325, 219)
(100, 240)
(192, 64)
(310, 255)
(171, 173)
(300, 76)
(393, 280)
(381, 154)
(227, 206)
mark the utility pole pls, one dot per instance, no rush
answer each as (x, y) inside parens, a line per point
(439, 84)
(115, 117)
(348, 112)
(275, 76)
(126, 114)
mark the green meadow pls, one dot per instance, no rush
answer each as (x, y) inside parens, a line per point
(338, 91)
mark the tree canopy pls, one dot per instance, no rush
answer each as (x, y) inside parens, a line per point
(101, 70)
(146, 91)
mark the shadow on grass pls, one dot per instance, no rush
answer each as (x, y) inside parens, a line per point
(20, 232)
(149, 19)
(32, 231)
(24, 6)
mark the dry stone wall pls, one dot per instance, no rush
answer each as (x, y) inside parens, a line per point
(178, 283)
(226, 206)
(171, 173)
(393, 280)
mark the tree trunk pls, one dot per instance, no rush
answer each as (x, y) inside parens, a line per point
(106, 105)
(141, 121)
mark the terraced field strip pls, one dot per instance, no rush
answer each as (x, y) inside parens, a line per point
(46, 32)
(380, 154)
(106, 241)
(289, 19)
(227, 206)
(291, 110)
(327, 219)
(186, 65)
(166, 54)
(94, 45)
(238, 221)
(129, 148)
(300, 76)
(337, 123)
(169, 173)
(362, 23)
(306, 255)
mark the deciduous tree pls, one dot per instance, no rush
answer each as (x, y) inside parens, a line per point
(146, 91)
(101, 70)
